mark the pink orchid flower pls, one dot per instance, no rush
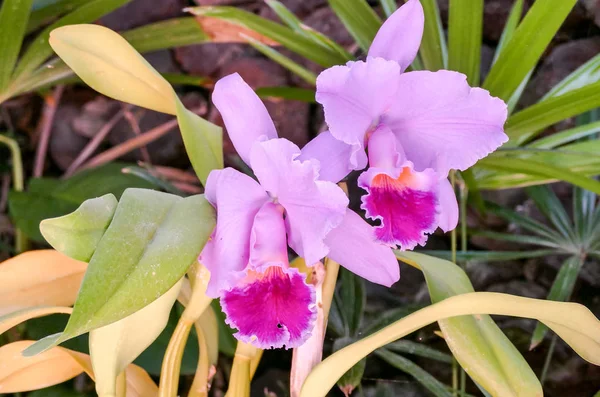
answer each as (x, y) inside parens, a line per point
(269, 302)
(417, 126)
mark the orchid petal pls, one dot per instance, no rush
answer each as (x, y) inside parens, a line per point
(244, 115)
(355, 95)
(444, 124)
(400, 36)
(237, 198)
(448, 217)
(337, 158)
(313, 207)
(353, 245)
(268, 243)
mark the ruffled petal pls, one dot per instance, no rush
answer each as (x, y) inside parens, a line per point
(237, 198)
(337, 159)
(400, 36)
(244, 115)
(312, 207)
(353, 245)
(355, 95)
(405, 201)
(448, 218)
(444, 124)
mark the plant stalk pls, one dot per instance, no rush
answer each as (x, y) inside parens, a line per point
(21, 243)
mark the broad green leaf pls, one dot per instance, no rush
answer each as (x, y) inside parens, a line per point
(293, 93)
(544, 170)
(574, 323)
(163, 235)
(525, 124)
(586, 74)
(115, 346)
(50, 198)
(548, 203)
(465, 27)
(40, 50)
(476, 342)
(133, 80)
(9, 320)
(280, 34)
(39, 278)
(78, 233)
(359, 19)
(436, 388)
(203, 141)
(46, 12)
(419, 349)
(176, 32)
(526, 46)
(561, 291)
(433, 51)
(389, 6)
(13, 21)
(284, 61)
(514, 17)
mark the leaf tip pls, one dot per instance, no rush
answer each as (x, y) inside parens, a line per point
(43, 345)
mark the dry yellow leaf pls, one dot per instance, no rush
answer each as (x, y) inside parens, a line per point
(39, 278)
(54, 366)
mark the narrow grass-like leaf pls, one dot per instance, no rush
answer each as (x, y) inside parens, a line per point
(294, 93)
(176, 32)
(514, 17)
(388, 6)
(274, 31)
(525, 222)
(13, 22)
(490, 256)
(525, 124)
(165, 233)
(517, 238)
(50, 11)
(465, 27)
(284, 61)
(436, 388)
(419, 349)
(40, 50)
(352, 298)
(584, 206)
(526, 46)
(540, 169)
(548, 203)
(359, 19)
(566, 136)
(433, 50)
(561, 290)
(588, 73)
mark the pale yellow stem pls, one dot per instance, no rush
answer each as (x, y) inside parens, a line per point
(239, 381)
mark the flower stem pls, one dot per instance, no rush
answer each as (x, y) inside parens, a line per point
(208, 341)
(332, 268)
(21, 243)
(464, 195)
(239, 381)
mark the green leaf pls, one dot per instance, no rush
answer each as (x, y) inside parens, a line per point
(352, 378)
(78, 233)
(150, 243)
(561, 290)
(293, 93)
(389, 6)
(281, 34)
(227, 343)
(419, 349)
(203, 141)
(525, 222)
(433, 51)
(584, 206)
(490, 256)
(566, 136)
(525, 124)
(436, 388)
(548, 203)
(47, 12)
(284, 61)
(352, 298)
(359, 19)
(186, 79)
(514, 17)
(40, 50)
(540, 169)
(586, 74)
(50, 198)
(465, 27)
(176, 32)
(518, 238)
(13, 21)
(526, 46)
